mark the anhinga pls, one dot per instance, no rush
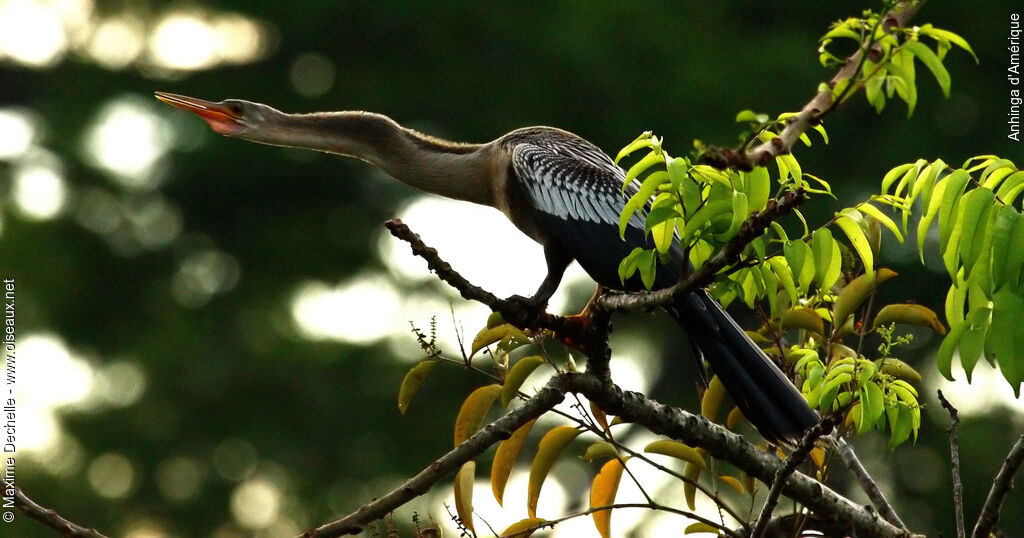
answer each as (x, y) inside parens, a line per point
(557, 188)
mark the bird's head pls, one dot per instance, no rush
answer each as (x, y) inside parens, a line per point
(230, 117)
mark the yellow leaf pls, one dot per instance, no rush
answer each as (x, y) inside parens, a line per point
(803, 318)
(898, 369)
(600, 451)
(734, 418)
(694, 528)
(818, 457)
(523, 528)
(550, 447)
(912, 314)
(464, 493)
(731, 480)
(602, 493)
(473, 411)
(517, 375)
(854, 294)
(599, 416)
(411, 383)
(748, 482)
(492, 335)
(712, 399)
(692, 472)
(505, 459)
(677, 450)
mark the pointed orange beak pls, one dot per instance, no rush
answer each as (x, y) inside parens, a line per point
(220, 117)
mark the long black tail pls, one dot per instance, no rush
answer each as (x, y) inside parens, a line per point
(767, 398)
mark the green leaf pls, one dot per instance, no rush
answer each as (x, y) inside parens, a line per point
(628, 265)
(1013, 268)
(739, 214)
(703, 218)
(1005, 338)
(957, 181)
(639, 200)
(785, 277)
(932, 62)
(789, 165)
(641, 166)
(973, 210)
(995, 173)
(826, 268)
(903, 79)
(972, 343)
(758, 186)
(938, 195)
(1009, 185)
(821, 130)
(891, 175)
(642, 141)
(846, 222)
(945, 35)
(749, 116)
(801, 261)
(709, 174)
(873, 91)
(647, 264)
(678, 172)
(944, 357)
(876, 214)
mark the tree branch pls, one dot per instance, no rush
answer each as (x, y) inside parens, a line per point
(1001, 486)
(724, 445)
(954, 456)
(866, 483)
(815, 109)
(788, 468)
(50, 517)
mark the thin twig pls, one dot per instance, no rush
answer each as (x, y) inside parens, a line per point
(649, 505)
(789, 467)
(954, 454)
(1001, 486)
(50, 517)
(811, 114)
(866, 483)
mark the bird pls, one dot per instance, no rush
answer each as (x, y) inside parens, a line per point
(557, 188)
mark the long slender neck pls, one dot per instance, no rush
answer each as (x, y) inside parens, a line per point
(459, 171)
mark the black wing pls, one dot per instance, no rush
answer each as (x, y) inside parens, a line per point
(575, 192)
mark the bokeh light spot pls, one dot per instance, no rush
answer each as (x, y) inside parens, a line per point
(117, 41)
(255, 503)
(312, 74)
(362, 310)
(31, 33)
(39, 192)
(120, 383)
(111, 475)
(127, 139)
(18, 133)
(179, 479)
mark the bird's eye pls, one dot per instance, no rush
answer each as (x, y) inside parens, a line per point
(235, 108)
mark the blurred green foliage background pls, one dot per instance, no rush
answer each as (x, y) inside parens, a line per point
(165, 386)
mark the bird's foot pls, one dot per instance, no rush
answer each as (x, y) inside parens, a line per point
(528, 308)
